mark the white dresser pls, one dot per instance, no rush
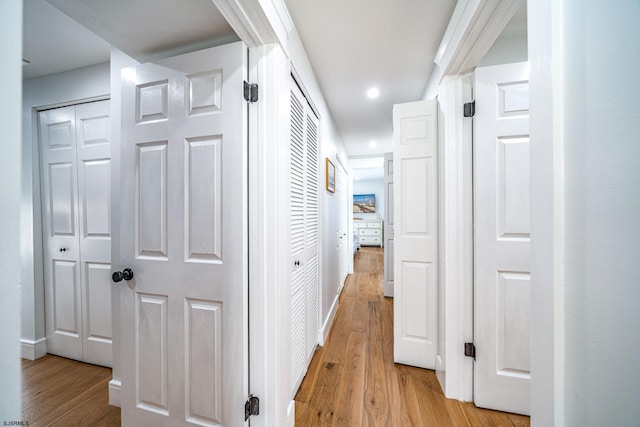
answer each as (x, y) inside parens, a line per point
(369, 232)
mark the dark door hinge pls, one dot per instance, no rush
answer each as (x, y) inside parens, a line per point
(470, 109)
(251, 407)
(250, 92)
(470, 350)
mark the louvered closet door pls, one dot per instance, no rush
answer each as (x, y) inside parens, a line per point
(304, 235)
(311, 234)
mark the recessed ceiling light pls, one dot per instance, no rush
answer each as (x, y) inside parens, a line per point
(373, 93)
(372, 144)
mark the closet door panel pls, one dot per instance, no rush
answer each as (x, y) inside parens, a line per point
(76, 178)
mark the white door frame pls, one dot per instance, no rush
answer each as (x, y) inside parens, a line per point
(349, 223)
(264, 27)
(454, 371)
(474, 27)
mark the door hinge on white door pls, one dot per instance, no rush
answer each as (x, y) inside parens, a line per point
(251, 407)
(470, 350)
(470, 109)
(250, 92)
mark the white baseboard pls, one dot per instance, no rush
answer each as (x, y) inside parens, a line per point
(326, 326)
(441, 373)
(291, 414)
(115, 387)
(33, 350)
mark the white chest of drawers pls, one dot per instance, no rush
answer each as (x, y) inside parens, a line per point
(369, 232)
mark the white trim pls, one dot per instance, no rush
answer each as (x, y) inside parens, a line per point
(326, 327)
(33, 350)
(305, 92)
(40, 108)
(115, 391)
(474, 27)
(472, 30)
(269, 269)
(291, 414)
(349, 239)
(256, 22)
(455, 372)
(546, 59)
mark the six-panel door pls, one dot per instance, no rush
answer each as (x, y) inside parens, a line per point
(184, 234)
(76, 169)
(502, 305)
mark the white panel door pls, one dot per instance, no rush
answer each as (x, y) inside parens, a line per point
(63, 294)
(94, 176)
(184, 235)
(345, 244)
(502, 250)
(415, 177)
(75, 150)
(389, 243)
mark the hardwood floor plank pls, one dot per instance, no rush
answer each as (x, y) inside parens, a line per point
(376, 395)
(320, 410)
(349, 409)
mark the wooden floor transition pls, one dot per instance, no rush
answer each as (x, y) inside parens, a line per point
(352, 380)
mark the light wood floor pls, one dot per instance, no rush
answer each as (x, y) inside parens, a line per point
(352, 380)
(62, 392)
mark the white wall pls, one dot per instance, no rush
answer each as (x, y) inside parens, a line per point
(331, 146)
(52, 90)
(506, 50)
(602, 212)
(10, 86)
(369, 186)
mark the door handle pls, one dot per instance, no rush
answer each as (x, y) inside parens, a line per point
(63, 249)
(126, 274)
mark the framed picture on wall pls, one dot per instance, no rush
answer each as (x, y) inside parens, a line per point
(331, 176)
(364, 203)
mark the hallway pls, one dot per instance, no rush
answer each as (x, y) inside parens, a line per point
(352, 380)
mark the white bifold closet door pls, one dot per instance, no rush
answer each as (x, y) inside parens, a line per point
(415, 206)
(75, 153)
(501, 181)
(305, 296)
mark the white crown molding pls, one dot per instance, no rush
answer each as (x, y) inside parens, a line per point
(474, 27)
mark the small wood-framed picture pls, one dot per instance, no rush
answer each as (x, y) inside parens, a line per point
(331, 176)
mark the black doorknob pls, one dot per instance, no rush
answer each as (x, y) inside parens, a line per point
(126, 274)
